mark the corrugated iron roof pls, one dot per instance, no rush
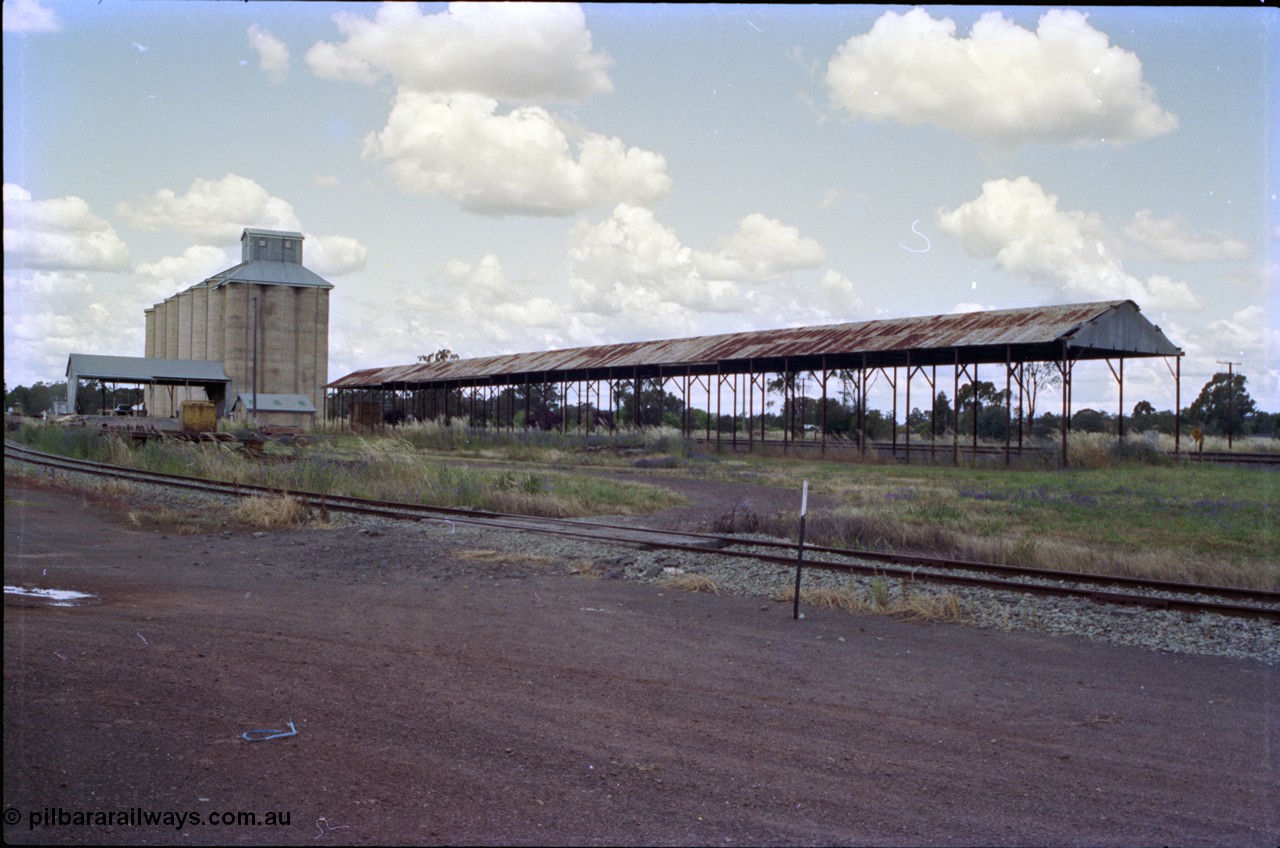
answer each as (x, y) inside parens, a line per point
(1087, 329)
(142, 369)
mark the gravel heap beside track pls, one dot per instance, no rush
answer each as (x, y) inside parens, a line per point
(1156, 630)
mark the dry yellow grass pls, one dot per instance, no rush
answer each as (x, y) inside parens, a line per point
(182, 523)
(846, 598)
(691, 583)
(909, 608)
(929, 608)
(492, 557)
(116, 452)
(270, 512)
(586, 568)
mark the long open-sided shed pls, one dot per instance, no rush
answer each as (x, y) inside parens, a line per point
(147, 371)
(1011, 338)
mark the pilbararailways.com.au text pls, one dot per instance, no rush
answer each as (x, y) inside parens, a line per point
(49, 817)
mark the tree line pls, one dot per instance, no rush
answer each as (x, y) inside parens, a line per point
(545, 406)
(1223, 403)
(92, 397)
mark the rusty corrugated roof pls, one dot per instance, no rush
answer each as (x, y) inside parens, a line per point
(972, 337)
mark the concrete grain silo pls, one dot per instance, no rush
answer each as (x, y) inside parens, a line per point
(172, 324)
(266, 319)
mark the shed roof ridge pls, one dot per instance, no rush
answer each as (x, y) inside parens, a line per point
(1036, 333)
(1103, 306)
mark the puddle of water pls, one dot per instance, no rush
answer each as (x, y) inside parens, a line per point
(56, 597)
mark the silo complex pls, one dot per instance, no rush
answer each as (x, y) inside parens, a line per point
(266, 318)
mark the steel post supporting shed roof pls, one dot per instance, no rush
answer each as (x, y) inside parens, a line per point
(1038, 334)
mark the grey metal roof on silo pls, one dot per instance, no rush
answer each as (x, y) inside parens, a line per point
(258, 231)
(270, 272)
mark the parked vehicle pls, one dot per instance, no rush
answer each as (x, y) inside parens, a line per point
(123, 409)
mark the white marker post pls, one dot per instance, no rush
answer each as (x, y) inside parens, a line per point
(804, 508)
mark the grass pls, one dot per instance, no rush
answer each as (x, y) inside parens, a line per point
(691, 583)
(542, 446)
(907, 606)
(488, 556)
(1194, 523)
(586, 568)
(172, 521)
(1181, 521)
(1125, 511)
(271, 512)
(393, 469)
(390, 468)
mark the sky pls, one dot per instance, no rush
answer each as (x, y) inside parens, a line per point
(523, 177)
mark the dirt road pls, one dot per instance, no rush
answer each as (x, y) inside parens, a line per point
(442, 695)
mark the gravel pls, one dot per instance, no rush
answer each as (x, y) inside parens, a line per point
(1207, 634)
(1156, 630)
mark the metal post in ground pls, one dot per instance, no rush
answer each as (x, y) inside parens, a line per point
(804, 507)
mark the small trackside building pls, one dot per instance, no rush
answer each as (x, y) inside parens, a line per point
(273, 410)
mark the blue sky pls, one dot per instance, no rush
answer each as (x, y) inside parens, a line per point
(530, 176)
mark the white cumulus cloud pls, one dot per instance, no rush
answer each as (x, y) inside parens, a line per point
(273, 55)
(50, 314)
(761, 249)
(632, 265)
(211, 211)
(459, 147)
(1249, 336)
(1166, 238)
(1020, 226)
(630, 277)
(1246, 335)
(60, 233)
(216, 212)
(631, 270)
(507, 51)
(472, 308)
(842, 295)
(29, 16)
(496, 309)
(171, 274)
(1062, 84)
(333, 256)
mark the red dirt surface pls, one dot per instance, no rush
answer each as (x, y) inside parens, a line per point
(442, 698)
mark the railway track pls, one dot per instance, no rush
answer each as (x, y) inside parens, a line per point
(1127, 591)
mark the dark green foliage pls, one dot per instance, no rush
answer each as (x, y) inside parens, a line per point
(1222, 406)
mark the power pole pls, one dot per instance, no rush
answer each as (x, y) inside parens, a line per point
(1231, 385)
